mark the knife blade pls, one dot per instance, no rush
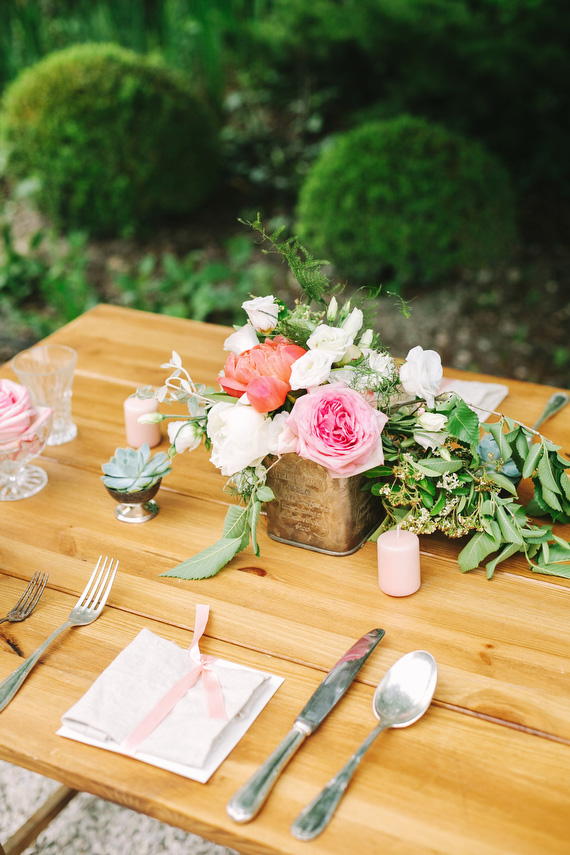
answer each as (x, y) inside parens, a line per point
(248, 800)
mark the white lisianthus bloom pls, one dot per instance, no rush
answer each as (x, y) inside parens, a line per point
(381, 363)
(239, 435)
(333, 340)
(353, 323)
(366, 338)
(185, 436)
(421, 374)
(332, 310)
(241, 340)
(311, 369)
(262, 313)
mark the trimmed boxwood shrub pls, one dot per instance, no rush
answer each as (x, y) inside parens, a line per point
(114, 138)
(406, 200)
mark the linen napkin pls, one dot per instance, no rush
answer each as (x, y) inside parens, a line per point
(188, 736)
(477, 394)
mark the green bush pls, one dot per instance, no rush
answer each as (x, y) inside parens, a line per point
(405, 200)
(494, 70)
(114, 138)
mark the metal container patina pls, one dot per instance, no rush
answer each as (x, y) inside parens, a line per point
(314, 511)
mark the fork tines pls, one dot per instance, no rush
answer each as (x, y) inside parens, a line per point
(30, 598)
(101, 579)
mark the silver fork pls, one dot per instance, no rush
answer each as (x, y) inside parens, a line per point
(87, 609)
(29, 599)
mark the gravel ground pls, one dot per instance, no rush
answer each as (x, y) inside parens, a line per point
(88, 825)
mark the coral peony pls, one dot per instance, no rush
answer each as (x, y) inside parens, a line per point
(263, 372)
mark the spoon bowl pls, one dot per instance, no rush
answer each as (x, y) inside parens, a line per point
(402, 696)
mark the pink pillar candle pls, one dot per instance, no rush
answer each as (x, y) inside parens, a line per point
(398, 562)
(138, 434)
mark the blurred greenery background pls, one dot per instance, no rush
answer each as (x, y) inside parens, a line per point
(420, 145)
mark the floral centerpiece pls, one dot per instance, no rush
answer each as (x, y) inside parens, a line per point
(315, 381)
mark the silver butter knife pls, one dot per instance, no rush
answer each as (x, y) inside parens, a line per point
(246, 803)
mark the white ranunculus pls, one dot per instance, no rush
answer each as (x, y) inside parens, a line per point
(239, 435)
(241, 340)
(262, 313)
(381, 363)
(433, 422)
(353, 323)
(311, 369)
(421, 374)
(184, 436)
(333, 340)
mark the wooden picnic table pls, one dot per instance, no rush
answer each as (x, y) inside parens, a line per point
(485, 772)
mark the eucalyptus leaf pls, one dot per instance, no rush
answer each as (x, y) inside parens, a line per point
(506, 552)
(496, 431)
(254, 519)
(532, 458)
(208, 562)
(510, 532)
(463, 424)
(502, 481)
(476, 550)
(544, 471)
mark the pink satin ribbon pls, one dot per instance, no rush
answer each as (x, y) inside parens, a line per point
(214, 694)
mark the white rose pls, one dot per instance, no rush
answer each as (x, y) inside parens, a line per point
(433, 422)
(282, 440)
(381, 363)
(243, 339)
(353, 323)
(239, 435)
(262, 313)
(421, 374)
(333, 340)
(184, 436)
(311, 369)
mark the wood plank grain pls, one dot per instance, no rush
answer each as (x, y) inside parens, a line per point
(486, 771)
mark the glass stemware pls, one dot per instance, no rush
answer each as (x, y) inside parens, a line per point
(18, 479)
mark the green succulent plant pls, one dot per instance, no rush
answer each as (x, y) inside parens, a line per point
(131, 470)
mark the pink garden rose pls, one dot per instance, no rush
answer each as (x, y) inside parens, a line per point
(263, 372)
(17, 415)
(337, 428)
(15, 410)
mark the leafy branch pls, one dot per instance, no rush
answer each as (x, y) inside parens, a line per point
(457, 490)
(304, 267)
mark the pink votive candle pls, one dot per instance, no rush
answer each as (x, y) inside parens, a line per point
(138, 434)
(398, 562)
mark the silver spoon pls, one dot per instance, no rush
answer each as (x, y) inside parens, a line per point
(402, 696)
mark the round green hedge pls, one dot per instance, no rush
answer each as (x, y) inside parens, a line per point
(406, 200)
(114, 138)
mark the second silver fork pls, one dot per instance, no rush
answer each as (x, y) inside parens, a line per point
(87, 609)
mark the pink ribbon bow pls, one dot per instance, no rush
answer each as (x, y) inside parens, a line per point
(214, 694)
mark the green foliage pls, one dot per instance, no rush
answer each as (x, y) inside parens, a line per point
(494, 70)
(131, 470)
(114, 138)
(47, 275)
(196, 287)
(407, 200)
(453, 491)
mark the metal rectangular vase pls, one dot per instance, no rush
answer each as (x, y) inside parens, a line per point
(314, 511)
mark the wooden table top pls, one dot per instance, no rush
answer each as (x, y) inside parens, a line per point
(486, 771)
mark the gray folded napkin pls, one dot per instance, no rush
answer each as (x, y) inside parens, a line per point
(139, 678)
